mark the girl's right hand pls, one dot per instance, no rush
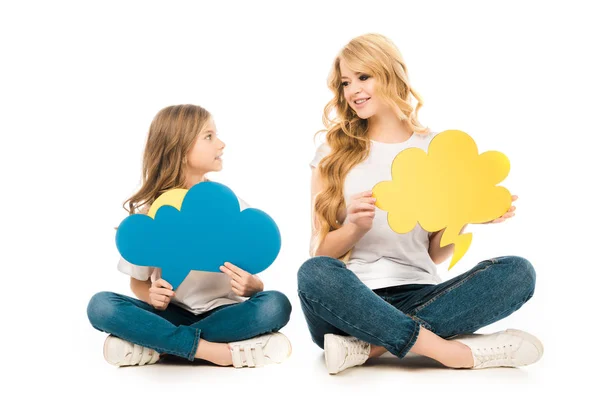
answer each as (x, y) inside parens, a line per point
(160, 294)
(361, 211)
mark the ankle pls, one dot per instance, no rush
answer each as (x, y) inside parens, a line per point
(460, 356)
(376, 351)
(216, 353)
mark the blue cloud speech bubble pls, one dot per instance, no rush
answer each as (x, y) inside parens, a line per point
(209, 230)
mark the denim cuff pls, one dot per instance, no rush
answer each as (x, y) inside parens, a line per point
(192, 354)
(411, 341)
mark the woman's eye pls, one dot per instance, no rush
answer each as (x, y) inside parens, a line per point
(364, 77)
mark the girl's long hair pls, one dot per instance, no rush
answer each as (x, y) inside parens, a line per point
(171, 136)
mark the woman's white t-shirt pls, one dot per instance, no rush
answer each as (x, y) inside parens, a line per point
(199, 292)
(382, 257)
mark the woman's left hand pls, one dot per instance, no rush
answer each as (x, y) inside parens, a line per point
(242, 283)
(509, 214)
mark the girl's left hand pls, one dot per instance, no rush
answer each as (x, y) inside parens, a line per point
(242, 283)
(509, 214)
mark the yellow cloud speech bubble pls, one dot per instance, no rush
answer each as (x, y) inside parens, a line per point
(448, 187)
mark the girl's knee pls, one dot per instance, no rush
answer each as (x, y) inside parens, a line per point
(275, 308)
(101, 309)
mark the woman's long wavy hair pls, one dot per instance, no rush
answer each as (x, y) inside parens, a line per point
(172, 134)
(346, 133)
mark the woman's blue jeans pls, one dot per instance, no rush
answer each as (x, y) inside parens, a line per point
(335, 301)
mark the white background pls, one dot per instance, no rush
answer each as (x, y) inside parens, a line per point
(80, 83)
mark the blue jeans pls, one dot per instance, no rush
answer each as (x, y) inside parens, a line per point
(335, 301)
(177, 331)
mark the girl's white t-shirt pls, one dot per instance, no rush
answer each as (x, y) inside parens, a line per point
(199, 292)
(383, 258)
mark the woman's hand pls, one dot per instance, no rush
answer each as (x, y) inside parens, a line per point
(242, 283)
(361, 211)
(161, 294)
(509, 214)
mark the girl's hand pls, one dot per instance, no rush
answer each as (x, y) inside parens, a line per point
(509, 214)
(242, 283)
(361, 210)
(161, 294)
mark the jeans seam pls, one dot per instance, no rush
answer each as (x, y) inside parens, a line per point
(494, 318)
(449, 289)
(419, 321)
(346, 322)
(192, 354)
(411, 341)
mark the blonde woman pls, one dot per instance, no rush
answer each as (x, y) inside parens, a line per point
(369, 290)
(225, 318)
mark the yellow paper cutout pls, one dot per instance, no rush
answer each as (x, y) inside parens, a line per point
(448, 187)
(173, 197)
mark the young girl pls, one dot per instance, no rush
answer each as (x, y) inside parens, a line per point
(387, 296)
(207, 317)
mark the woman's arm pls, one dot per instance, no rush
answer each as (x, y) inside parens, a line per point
(440, 254)
(336, 243)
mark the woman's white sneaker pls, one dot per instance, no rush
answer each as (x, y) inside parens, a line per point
(510, 348)
(342, 352)
(261, 350)
(122, 353)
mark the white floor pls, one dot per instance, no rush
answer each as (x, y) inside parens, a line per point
(73, 366)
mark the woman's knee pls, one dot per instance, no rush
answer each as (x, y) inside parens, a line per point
(522, 274)
(315, 271)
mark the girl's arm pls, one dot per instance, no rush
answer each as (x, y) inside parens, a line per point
(440, 254)
(336, 243)
(141, 289)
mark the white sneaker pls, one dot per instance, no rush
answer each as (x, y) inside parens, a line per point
(510, 348)
(261, 350)
(343, 352)
(122, 353)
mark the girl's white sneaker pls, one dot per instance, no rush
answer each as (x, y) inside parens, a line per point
(122, 353)
(261, 350)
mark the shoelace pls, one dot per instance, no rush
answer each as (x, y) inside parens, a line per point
(356, 351)
(254, 358)
(495, 354)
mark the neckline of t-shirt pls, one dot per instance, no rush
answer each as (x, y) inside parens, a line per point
(393, 143)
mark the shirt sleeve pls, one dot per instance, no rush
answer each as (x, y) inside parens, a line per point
(135, 271)
(321, 152)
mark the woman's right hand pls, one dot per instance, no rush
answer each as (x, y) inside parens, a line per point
(160, 294)
(361, 211)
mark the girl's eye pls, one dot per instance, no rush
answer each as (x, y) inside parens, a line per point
(209, 137)
(344, 84)
(364, 77)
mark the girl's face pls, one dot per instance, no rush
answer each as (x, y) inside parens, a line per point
(359, 92)
(205, 154)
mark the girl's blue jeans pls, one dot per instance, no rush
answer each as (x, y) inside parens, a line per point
(177, 331)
